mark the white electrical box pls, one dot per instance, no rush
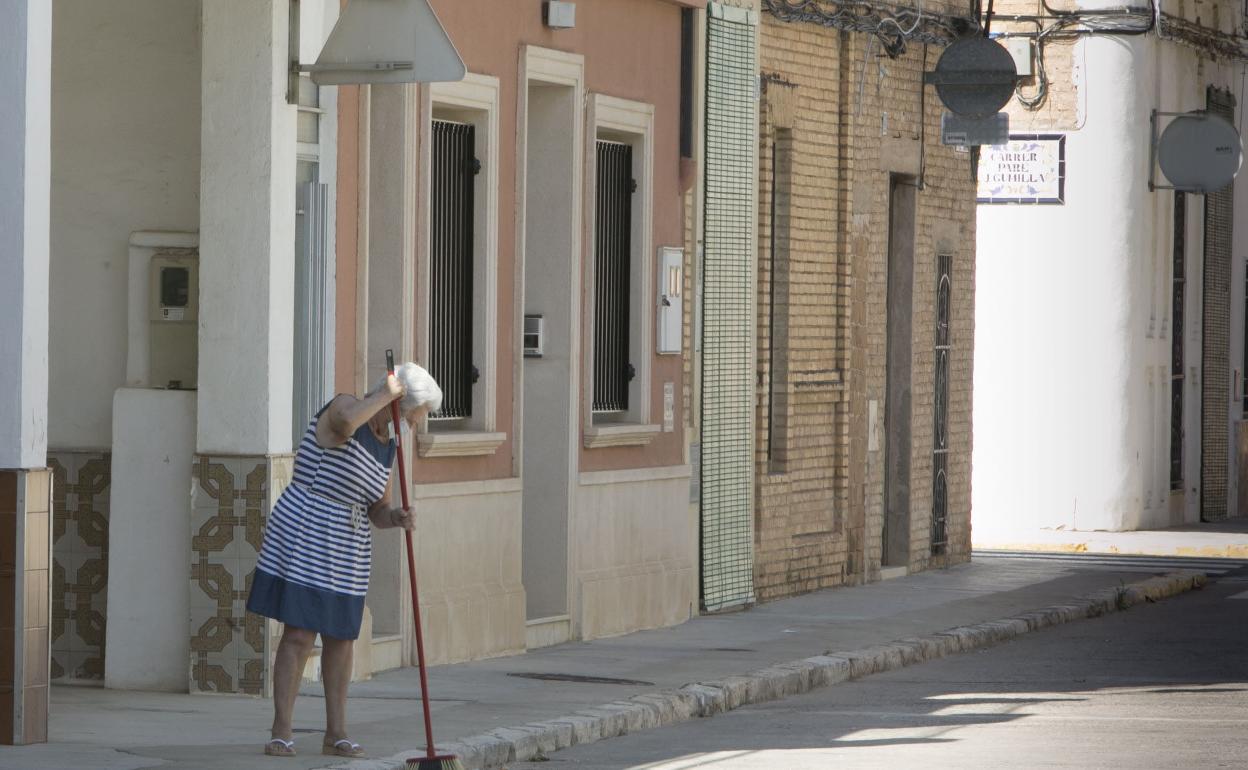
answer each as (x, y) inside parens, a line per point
(533, 336)
(559, 15)
(173, 314)
(1020, 50)
(671, 299)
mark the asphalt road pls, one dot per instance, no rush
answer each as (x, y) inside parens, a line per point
(1160, 686)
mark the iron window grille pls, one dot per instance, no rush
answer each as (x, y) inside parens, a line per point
(1177, 330)
(687, 27)
(940, 434)
(612, 268)
(452, 206)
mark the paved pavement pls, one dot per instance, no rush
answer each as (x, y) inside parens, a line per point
(1162, 686)
(1223, 539)
(119, 730)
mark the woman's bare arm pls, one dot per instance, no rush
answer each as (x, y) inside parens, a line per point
(384, 516)
(347, 413)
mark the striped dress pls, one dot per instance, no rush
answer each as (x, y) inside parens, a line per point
(317, 551)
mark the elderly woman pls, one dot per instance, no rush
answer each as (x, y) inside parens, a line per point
(317, 551)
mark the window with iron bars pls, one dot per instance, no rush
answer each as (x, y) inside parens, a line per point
(1177, 330)
(940, 434)
(451, 223)
(612, 268)
(1243, 379)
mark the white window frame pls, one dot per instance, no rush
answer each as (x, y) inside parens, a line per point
(614, 119)
(473, 100)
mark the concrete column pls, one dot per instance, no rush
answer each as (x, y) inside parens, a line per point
(247, 230)
(247, 240)
(390, 257)
(25, 523)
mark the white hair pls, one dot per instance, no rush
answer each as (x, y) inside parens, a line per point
(419, 389)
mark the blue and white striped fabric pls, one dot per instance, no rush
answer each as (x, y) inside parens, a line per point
(317, 551)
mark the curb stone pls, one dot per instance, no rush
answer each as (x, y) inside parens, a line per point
(782, 680)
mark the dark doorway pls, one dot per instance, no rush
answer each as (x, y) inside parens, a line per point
(901, 213)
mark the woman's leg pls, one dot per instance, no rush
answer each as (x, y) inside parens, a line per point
(336, 656)
(292, 654)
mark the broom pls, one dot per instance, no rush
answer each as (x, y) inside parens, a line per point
(432, 760)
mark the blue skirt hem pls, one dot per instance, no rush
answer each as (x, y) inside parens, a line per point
(335, 615)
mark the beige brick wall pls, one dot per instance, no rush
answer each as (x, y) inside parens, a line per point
(819, 504)
(1061, 109)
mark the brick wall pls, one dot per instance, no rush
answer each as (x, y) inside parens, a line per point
(1061, 109)
(850, 118)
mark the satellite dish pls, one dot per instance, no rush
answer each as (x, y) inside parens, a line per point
(387, 41)
(1199, 152)
(974, 77)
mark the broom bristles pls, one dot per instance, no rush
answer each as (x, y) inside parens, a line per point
(441, 762)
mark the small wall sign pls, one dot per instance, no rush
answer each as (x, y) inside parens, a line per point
(1030, 168)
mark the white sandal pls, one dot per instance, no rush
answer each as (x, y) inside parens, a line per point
(342, 748)
(279, 747)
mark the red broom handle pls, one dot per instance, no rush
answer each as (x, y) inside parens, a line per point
(411, 570)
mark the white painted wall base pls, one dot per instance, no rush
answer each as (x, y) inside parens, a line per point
(547, 632)
(148, 605)
(468, 564)
(634, 551)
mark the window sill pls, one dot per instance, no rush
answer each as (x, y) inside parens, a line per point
(628, 434)
(458, 444)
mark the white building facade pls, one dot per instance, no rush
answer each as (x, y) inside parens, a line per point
(199, 247)
(1109, 351)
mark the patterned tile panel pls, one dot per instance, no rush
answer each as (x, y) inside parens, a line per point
(230, 649)
(80, 515)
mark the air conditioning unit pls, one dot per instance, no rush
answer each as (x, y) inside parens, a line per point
(533, 336)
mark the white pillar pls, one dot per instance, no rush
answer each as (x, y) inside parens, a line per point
(247, 230)
(25, 510)
(1061, 320)
(25, 173)
(246, 329)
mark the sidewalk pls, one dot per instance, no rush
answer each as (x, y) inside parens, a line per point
(121, 730)
(1223, 539)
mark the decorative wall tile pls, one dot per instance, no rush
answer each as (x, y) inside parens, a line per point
(80, 515)
(230, 503)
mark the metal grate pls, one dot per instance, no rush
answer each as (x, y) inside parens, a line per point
(727, 312)
(450, 265)
(940, 434)
(1178, 328)
(687, 28)
(612, 264)
(1216, 337)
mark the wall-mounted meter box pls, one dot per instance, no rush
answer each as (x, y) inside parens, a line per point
(173, 314)
(671, 299)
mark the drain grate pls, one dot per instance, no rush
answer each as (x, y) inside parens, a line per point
(731, 649)
(581, 679)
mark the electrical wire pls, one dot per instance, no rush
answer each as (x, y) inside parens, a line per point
(893, 26)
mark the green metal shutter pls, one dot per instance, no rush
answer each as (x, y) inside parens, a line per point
(727, 461)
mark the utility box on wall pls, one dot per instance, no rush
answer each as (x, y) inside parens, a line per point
(173, 314)
(671, 299)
